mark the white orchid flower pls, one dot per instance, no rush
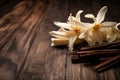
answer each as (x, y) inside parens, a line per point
(68, 32)
(97, 31)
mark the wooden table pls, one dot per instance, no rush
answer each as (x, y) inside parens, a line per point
(25, 51)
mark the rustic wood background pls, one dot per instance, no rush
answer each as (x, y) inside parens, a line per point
(25, 51)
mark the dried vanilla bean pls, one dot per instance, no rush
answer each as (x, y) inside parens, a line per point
(108, 63)
(102, 46)
(97, 53)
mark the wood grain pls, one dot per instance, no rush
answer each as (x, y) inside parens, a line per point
(25, 51)
(6, 6)
(45, 62)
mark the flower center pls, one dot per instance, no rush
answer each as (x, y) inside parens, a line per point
(76, 30)
(96, 27)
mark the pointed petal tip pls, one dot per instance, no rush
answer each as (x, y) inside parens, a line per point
(51, 32)
(101, 14)
(80, 11)
(55, 22)
(105, 7)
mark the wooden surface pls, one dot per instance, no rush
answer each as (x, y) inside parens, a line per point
(25, 51)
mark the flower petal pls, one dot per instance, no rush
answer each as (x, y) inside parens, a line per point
(71, 20)
(91, 16)
(117, 26)
(109, 24)
(111, 37)
(57, 41)
(78, 15)
(59, 34)
(83, 34)
(90, 41)
(75, 23)
(63, 25)
(101, 14)
(71, 42)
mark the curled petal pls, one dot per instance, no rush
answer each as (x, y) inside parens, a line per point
(101, 14)
(109, 24)
(59, 34)
(117, 26)
(91, 16)
(78, 15)
(71, 42)
(63, 25)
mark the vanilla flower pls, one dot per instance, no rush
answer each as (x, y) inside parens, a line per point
(68, 32)
(97, 31)
(114, 33)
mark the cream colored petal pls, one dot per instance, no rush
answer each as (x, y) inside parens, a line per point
(71, 42)
(78, 15)
(75, 23)
(57, 41)
(117, 26)
(63, 25)
(111, 37)
(71, 21)
(91, 16)
(90, 41)
(83, 35)
(69, 18)
(101, 14)
(82, 25)
(59, 34)
(109, 24)
(99, 37)
(86, 25)
(89, 37)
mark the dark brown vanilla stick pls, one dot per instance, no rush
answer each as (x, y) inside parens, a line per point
(77, 59)
(108, 63)
(97, 53)
(116, 46)
(102, 46)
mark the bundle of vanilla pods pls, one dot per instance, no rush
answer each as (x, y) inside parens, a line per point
(107, 53)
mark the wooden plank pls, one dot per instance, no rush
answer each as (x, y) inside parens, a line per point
(6, 6)
(43, 61)
(9, 65)
(21, 42)
(12, 21)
